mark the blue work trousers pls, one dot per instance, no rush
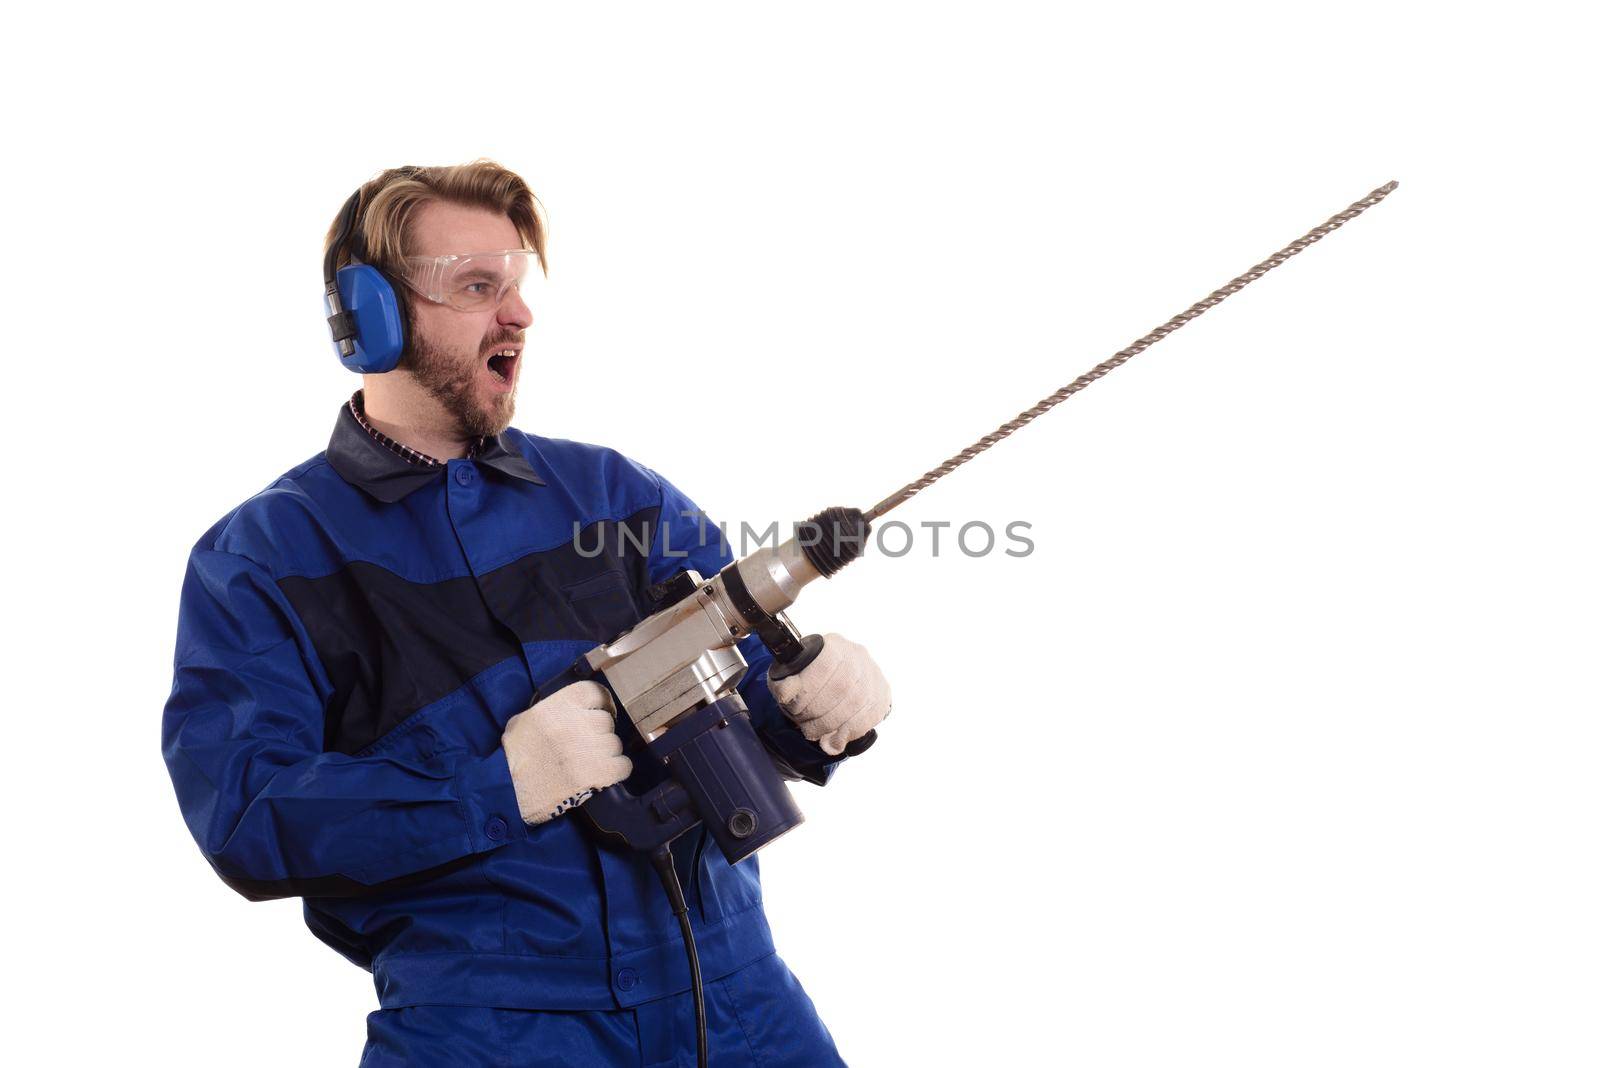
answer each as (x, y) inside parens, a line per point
(757, 1017)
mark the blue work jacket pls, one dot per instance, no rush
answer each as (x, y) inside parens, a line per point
(351, 643)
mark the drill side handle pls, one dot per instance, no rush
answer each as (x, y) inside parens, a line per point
(803, 653)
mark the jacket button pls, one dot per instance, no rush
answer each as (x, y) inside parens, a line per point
(495, 829)
(464, 475)
(627, 979)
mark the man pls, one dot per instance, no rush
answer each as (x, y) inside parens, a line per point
(358, 649)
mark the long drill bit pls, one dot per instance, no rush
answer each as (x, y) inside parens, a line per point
(1100, 370)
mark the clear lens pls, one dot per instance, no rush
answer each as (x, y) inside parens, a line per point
(474, 281)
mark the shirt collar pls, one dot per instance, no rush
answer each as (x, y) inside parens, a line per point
(388, 471)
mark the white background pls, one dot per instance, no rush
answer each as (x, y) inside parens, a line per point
(1280, 749)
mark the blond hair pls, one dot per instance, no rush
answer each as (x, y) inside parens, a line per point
(389, 204)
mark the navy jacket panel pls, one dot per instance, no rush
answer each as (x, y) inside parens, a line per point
(351, 643)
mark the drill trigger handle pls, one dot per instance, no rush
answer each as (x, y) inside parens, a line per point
(638, 821)
(641, 821)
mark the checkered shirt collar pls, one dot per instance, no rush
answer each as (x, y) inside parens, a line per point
(358, 408)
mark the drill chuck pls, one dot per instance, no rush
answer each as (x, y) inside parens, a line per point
(833, 537)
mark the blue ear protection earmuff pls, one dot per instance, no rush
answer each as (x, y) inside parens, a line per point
(364, 310)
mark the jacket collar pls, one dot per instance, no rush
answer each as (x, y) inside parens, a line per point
(362, 461)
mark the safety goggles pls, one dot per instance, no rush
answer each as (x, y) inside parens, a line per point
(473, 281)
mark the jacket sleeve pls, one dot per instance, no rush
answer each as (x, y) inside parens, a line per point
(686, 538)
(275, 815)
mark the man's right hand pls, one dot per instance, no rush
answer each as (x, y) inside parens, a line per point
(562, 749)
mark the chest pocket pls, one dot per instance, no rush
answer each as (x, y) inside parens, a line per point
(562, 594)
(602, 605)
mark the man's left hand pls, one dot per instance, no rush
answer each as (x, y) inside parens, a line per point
(838, 697)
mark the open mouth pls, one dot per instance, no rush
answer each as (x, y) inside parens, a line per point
(503, 365)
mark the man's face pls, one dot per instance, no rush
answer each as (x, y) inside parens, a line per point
(448, 351)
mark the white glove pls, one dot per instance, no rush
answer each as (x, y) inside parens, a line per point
(563, 749)
(838, 697)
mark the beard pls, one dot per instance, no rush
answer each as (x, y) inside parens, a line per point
(449, 380)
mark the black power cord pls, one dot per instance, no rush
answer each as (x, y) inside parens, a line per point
(662, 860)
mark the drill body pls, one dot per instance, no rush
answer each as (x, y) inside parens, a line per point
(675, 675)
